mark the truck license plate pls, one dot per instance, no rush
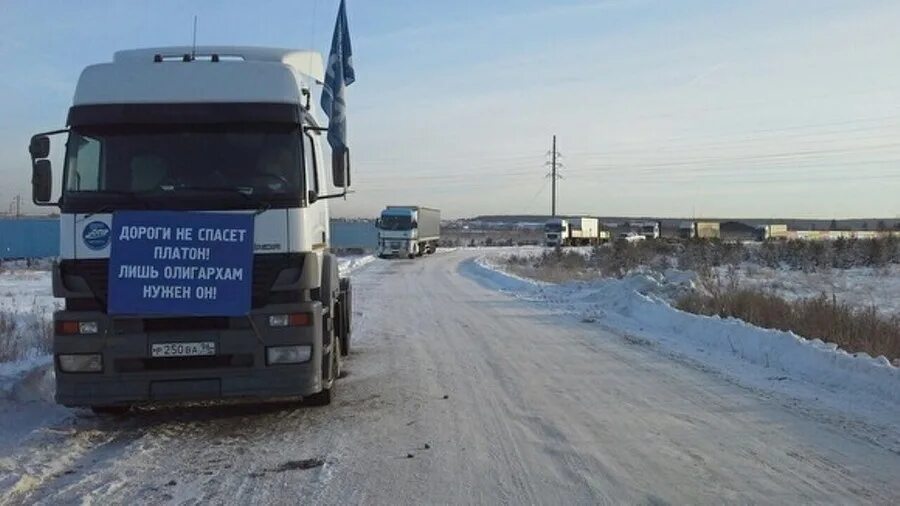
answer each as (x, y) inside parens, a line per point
(200, 349)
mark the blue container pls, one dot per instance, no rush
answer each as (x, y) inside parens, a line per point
(354, 234)
(29, 238)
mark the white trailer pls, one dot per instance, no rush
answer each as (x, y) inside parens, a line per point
(584, 231)
(408, 231)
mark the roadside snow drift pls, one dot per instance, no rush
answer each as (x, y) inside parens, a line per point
(348, 264)
(26, 315)
(771, 359)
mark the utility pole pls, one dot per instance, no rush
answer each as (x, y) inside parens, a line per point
(555, 165)
(553, 180)
(18, 206)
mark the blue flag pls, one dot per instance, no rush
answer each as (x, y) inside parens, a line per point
(338, 75)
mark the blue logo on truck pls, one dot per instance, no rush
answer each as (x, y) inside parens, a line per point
(180, 263)
(95, 235)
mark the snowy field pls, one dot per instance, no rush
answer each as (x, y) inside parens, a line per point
(861, 287)
(26, 315)
(638, 306)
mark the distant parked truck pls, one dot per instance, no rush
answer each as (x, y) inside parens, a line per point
(648, 229)
(707, 230)
(631, 237)
(556, 232)
(779, 231)
(408, 231)
(574, 232)
(686, 230)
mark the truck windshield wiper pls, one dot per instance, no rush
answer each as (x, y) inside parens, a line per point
(244, 191)
(119, 193)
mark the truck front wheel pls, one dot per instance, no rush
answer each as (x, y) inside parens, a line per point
(345, 315)
(324, 397)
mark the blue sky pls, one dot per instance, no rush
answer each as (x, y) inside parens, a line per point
(662, 107)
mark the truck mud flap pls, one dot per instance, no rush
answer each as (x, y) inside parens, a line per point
(185, 389)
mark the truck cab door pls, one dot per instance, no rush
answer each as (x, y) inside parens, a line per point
(316, 184)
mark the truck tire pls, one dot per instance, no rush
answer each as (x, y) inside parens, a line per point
(345, 313)
(325, 397)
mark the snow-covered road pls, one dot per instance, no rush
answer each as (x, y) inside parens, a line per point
(458, 393)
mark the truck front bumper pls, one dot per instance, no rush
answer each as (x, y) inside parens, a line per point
(239, 369)
(400, 247)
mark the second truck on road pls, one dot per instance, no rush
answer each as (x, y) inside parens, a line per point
(408, 231)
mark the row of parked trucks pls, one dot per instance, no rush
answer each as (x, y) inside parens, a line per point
(584, 231)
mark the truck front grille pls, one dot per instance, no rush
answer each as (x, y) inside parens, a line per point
(183, 363)
(185, 324)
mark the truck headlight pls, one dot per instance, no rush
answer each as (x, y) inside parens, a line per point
(84, 362)
(288, 354)
(87, 327)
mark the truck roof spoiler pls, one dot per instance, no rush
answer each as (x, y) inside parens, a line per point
(304, 62)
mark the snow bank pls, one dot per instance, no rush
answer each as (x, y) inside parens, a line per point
(26, 314)
(348, 264)
(636, 305)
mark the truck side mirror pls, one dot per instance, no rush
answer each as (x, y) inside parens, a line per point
(39, 147)
(377, 222)
(340, 167)
(41, 181)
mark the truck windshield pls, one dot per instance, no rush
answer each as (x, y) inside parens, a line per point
(553, 227)
(395, 222)
(252, 159)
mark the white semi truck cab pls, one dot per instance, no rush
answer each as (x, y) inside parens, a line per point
(408, 231)
(194, 231)
(556, 232)
(647, 229)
